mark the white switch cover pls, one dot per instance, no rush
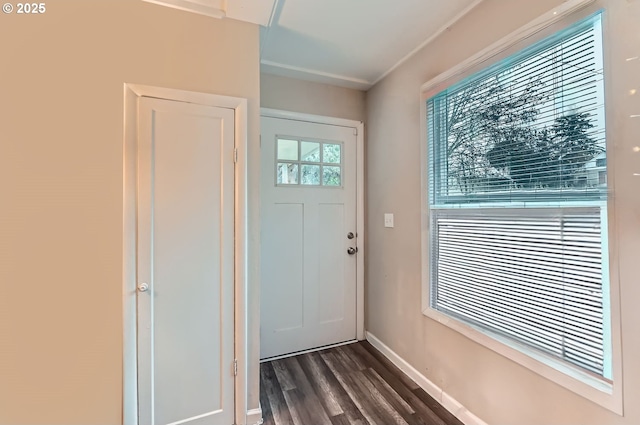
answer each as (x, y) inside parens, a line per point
(388, 220)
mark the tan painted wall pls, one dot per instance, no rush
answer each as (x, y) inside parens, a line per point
(290, 94)
(61, 131)
(496, 389)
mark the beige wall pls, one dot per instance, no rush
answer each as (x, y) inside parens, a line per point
(290, 94)
(494, 388)
(61, 131)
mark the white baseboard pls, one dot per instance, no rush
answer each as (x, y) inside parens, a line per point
(254, 416)
(447, 401)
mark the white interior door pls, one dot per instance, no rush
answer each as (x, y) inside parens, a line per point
(185, 263)
(308, 257)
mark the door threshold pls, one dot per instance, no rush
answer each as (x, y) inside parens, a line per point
(310, 350)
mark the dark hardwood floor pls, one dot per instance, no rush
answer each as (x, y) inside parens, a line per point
(352, 384)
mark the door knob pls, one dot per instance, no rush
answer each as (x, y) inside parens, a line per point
(352, 250)
(143, 287)
(350, 235)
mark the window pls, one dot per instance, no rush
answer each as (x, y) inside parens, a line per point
(602, 177)
(309, 163)
(517, 198)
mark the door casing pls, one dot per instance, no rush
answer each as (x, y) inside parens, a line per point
(131, 93)
(358, 126)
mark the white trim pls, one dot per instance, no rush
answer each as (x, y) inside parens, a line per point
(583, 383)
(614, 230)
(432, 37)
(504, 43)
(129, 190)
(191, 6)
(311, 350)
(315, 72)
(276, 9)
(199, 98)
(276, 68)
(359, 127)
(446, 400)
(240, 106)
(600, 391)
(194, 418)
(254, 417)
(360, 232)
(277, 5)
(241, 254)
(318, 119)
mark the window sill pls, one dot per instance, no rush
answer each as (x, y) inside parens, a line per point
(600, 391)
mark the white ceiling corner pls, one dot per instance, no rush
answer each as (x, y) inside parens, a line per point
(254, 11)
(213, 8)
(351, 43)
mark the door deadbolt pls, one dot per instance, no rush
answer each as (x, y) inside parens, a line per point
(350, 235)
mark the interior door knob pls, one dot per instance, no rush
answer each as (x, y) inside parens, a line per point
(143, 287)
(352, 250)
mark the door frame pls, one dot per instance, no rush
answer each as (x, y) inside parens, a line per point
(130, 159)
(358, 127)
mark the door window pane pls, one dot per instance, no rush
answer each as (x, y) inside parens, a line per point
(287, 173)
(311, 174)
(331, 153)
(310, 151)
(288, 149)
(331, 176)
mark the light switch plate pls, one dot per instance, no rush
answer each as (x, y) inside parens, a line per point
(388, 220)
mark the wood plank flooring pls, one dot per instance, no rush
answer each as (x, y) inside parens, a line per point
(353, 384)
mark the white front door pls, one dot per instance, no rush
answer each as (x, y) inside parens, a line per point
(185, 263)
(309, 242)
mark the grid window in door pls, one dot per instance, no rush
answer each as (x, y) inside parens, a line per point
(308, 163)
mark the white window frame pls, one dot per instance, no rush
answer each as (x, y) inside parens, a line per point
(601, 391)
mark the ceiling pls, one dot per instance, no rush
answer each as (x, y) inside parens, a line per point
(351, 43)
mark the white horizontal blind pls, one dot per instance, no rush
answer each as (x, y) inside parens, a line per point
(535, 276)
(528, 128)
(517, 193)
